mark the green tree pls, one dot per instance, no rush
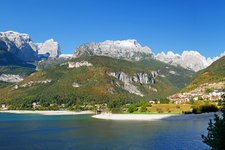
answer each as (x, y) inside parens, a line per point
(223, 101)
(132, 108)
(164, 101)
(216, 133)
(143, 108)
(208, 90)
(192, 101)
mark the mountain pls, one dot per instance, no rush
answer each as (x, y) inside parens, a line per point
(213, 74)
(96, 79)
(126, 49)
(49, 46)
(18, 44)
(132, 50)
(21, 48)
(9, 58)
(18, 54)
(192, 60)
(12, 68)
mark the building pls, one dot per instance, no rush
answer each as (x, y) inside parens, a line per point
(216, 94)
(4, 107)
(35, 105)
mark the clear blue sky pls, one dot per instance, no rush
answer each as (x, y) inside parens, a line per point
(160, 24)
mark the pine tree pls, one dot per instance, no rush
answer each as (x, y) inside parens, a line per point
(216, 133)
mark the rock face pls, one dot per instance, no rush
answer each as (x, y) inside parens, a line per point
(10, 78)
(6, 57)
(191, 60)
(3, 45)
(141, 78)
(19, 44)
(126, 49)
(75, 85)
(49, 46)
(132, 89)
(172, 72)
(79, 64)
(31, 83)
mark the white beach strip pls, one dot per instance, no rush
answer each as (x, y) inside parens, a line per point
(48, 112)
(109, 116)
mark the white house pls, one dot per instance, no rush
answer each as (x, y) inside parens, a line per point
(4, 107)
(35, 105)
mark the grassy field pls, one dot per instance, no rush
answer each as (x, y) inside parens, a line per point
(169, 108)
(176, 108)
(166, 109)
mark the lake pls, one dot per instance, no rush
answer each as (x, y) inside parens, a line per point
(34, 132)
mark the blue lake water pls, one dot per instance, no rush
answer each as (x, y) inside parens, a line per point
(34, 132)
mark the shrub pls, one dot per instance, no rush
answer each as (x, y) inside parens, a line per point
(205, 108)
(159, 110)
(191, 101)
(209, 108)
(117, 111)
(199, 102)
(208, 90)
(178, 106)
(143, 109)
(164, 101)
(168, 110)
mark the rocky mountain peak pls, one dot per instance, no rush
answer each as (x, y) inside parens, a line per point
(191, 60)
(22, 47)
(19, 44)
(126, 49)
(49, 46)
(15, 37)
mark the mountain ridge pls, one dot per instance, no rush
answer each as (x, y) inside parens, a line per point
(124, 49)
(20, 45)
(192, 60)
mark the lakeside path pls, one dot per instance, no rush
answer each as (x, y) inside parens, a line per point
(48, 112)
(109, 116)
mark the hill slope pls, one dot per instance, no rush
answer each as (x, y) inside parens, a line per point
(13, 70)
(212, 74)
(96, 79)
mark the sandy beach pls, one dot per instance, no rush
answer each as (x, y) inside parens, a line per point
(48, 112)
(109, 116)
(149, 117)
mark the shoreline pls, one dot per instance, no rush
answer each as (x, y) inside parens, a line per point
(109, 116)
(48, 112)
(151, 117)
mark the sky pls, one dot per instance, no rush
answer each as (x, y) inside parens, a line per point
(162, 25)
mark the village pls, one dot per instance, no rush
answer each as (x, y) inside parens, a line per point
(212, 92)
